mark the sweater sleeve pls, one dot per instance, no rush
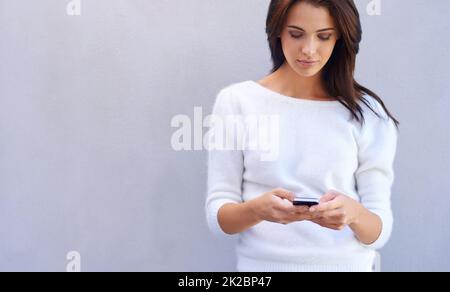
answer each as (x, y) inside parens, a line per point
(375, 174)
(225, 167)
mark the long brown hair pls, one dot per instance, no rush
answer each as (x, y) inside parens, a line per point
(338, 73)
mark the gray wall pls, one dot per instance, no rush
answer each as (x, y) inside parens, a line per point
(86, 102)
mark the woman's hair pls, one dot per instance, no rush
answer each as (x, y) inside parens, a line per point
(338, 72)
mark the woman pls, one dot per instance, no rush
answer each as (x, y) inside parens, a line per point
(337, 143)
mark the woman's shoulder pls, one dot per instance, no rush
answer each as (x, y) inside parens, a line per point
(376, 119)
(237, 93)
(231, 95)
(372, 107)
(237, 87)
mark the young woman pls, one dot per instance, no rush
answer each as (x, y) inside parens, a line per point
(337, 143)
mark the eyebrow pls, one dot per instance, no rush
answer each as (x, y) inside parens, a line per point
(320, 30)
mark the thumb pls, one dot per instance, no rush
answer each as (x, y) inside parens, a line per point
(284, 194)
(329, 196)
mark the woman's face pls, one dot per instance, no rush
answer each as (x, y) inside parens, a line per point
(308, 38)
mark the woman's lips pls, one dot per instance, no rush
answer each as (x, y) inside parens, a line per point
(307, 63)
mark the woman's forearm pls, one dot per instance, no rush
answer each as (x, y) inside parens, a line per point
(237, 218)
(367, 227)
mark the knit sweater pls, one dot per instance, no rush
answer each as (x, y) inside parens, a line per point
(319, 147)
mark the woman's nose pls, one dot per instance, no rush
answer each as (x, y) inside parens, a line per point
(309, 48)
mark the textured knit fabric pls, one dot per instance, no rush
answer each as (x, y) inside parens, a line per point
(320, 148)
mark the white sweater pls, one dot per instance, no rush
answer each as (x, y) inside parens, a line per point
(320, 149)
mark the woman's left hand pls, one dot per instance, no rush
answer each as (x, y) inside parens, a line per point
(336, 211)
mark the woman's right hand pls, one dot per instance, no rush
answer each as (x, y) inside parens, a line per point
(276, 206)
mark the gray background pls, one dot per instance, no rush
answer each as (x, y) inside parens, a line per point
(86, 102)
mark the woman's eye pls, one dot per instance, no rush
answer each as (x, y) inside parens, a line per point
(325, 37)
(296, 36)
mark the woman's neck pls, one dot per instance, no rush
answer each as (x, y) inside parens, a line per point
(289, 83)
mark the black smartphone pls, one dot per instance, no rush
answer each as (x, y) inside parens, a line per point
(309, 202)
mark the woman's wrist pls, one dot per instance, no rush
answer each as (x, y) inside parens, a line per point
(367, 226)
(252, 206)
(359, 210)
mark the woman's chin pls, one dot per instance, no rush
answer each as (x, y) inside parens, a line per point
(307, 72)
